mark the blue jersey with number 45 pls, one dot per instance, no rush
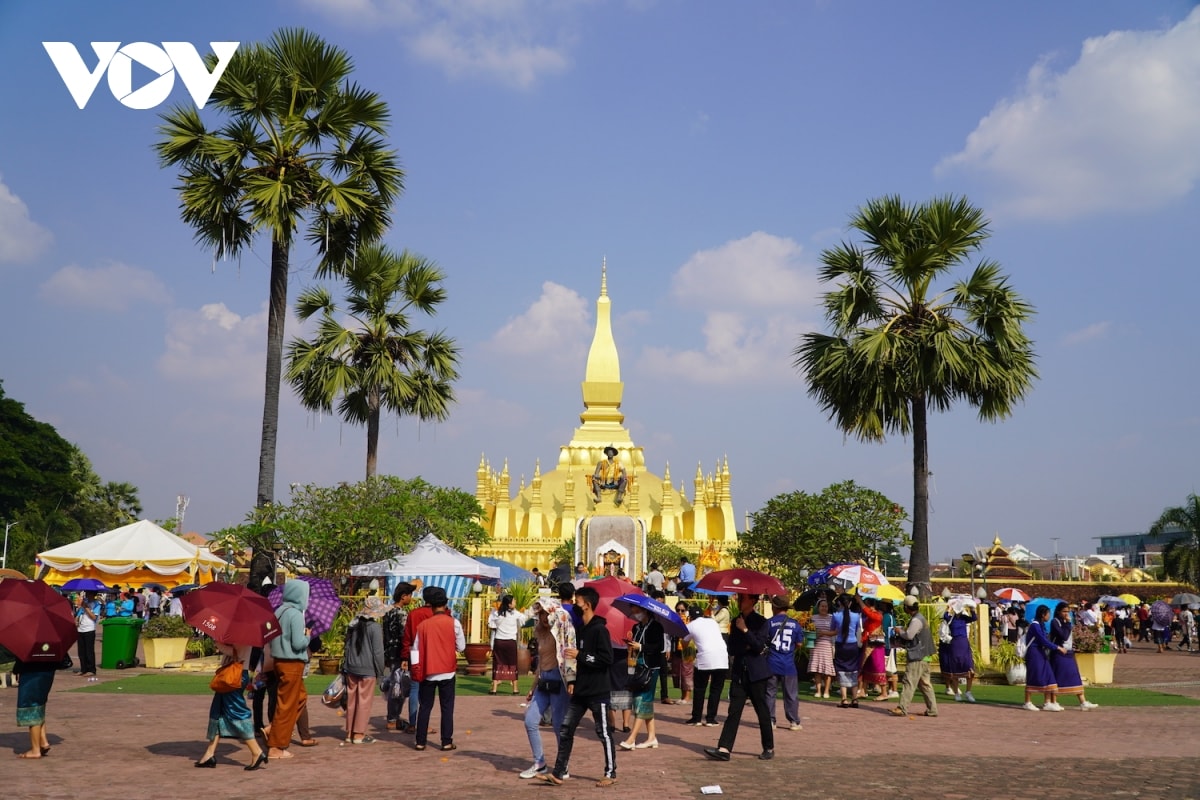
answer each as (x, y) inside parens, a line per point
(786, 636)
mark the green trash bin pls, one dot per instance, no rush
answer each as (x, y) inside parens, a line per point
(119, 643)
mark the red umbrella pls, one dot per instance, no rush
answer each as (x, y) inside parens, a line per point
(620, 625)
(1011, 595)
(36, 622)
(231, 614)
(742, 581)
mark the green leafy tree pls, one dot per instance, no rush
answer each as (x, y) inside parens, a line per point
(374, 361)
(37, 466)
(301, 148)
(564, 552)
(665, 553)
(899, 348)
(1181, 557)
(798, 532)
(327, 530)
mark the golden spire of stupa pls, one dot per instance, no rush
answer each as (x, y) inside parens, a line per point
(602, 386)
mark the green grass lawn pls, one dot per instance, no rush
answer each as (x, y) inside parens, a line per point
(183, 683)
(177, 683)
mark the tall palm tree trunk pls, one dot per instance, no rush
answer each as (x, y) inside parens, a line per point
(276, 316)
(373, 432)
(918, 566)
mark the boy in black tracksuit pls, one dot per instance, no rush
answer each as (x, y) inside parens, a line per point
(589, 691)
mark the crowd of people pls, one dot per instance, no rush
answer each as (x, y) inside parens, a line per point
(411, 654)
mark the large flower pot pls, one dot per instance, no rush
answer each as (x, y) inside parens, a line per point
(160, 652)
(477, 658)
(1096, 668)
(329, 666)
(1016, 675)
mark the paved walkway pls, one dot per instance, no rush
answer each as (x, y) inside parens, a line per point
(112, 746)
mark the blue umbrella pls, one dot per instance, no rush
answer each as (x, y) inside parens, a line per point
(84, 585)
(1032, 606)
(1111, 601)
(698, 590)
(820, 576)
(672, 623)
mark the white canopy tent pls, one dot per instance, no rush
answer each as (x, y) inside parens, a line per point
(433, 563)
(136, 553)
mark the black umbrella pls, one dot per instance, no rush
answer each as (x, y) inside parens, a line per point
(1185, 599)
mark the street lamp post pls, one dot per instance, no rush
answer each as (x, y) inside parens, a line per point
(4, 557)
(969, 560)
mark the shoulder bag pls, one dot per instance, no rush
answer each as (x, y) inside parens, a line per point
(228, 678)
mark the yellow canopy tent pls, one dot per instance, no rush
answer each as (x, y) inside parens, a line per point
(133, 554)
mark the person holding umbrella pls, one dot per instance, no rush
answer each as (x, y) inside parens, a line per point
(87, 611)
(749, 672)
(647, 644)
(36, 680)
(229, 716)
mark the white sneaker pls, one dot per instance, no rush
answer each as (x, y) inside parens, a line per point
(795, 726)
(893, 695)
(534, 771)
(1031, 707)
(1087, 706)
(1052, 707)
(949, 689)
(970, 697)
(958, 698)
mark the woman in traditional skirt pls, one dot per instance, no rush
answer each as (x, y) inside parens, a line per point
(820, 661)
(1062, 657)
(955, 659)
(32, 693)
(685, 651)
(1039, 675)
(874, 656)
(505, 623)
(229, 716)
(847, 649)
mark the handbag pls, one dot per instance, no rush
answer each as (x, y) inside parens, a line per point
(641, 678)
(228, 678)
(401, 684)
(334, 692)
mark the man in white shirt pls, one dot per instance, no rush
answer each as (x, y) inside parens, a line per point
(655, 578)
(711, 669)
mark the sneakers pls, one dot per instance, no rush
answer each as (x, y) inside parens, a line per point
(716, 754)
(696, 722)
(1027, 707)
(1088, 706)
(795, 726)
(1052, 707)
(766, 755)
(710, 723)
(970, 697)
(534, 772)
(958, 698)
(949, 689)
(893, 695)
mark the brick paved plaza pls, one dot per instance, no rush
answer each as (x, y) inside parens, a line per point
(109, 746)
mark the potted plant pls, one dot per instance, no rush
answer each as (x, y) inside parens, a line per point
(1005, 658)
(165, 639)
(1092, 655)
(333, 643)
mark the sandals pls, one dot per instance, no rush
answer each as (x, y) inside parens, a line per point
(604, 783)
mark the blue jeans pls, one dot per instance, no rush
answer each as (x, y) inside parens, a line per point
(557, 703)
(413, 702)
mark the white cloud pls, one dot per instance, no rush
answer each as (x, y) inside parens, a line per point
(738, 348)
(113, 287)
(21, 239)
(750, 290)
(218, 349)
(1117, 130)
(1097, 330)
(516, 42)
(758, 271)
(557, 325)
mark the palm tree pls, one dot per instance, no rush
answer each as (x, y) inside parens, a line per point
(897, 349)
(374, 361)
(1181, 557)
(302, 147)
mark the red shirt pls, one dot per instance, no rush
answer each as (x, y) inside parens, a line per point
(415, 618)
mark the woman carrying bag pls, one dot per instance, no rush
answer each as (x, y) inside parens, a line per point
(363, 667)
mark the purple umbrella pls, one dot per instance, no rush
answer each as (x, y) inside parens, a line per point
(671, 622)
(1162, 613)
(323, 603)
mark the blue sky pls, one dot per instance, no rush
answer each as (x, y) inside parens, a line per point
(709, 152)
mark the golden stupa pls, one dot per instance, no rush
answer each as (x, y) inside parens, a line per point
(558, 505)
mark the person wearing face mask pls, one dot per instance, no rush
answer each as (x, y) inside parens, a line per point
(648, 644)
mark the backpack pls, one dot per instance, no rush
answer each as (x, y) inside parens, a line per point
(1022, 646)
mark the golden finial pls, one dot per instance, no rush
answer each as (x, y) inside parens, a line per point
(537, 468)
(604, 277)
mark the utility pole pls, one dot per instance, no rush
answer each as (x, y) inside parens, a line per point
(4, 557)
(1055, 539)
(181, 504)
